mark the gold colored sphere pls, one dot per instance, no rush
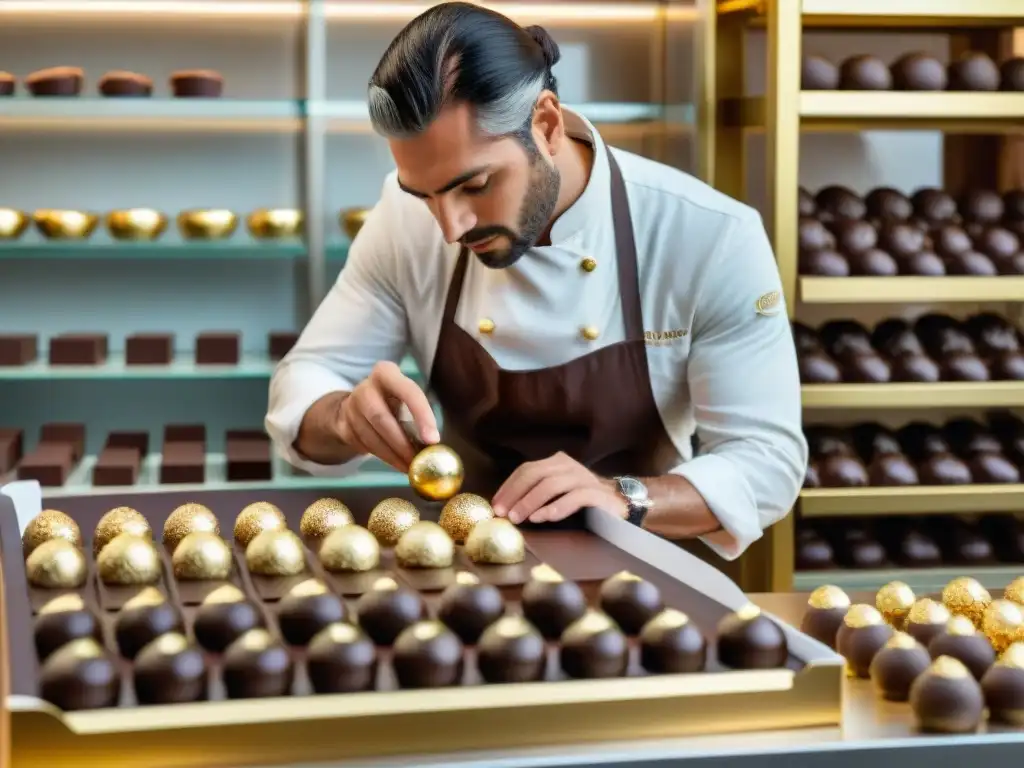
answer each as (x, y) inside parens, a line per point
(862, 615)
(546, 574)
(496, 541)
(348, 549)
(65, 225)
(323, 516)
(256, 518)
(589, 624)
(276, 553)
(927, 611)
(894, 602)
(901, 640)
(352, 220)
(425, 545)
(390, 519)
(436, 473)
(136, 224)
(1003, 624)
(588, 264)
(202, 555)
(1012, 656)
(50, 524)
(274, 223)
(12, 223)
(65, 603)
(129, 560)
(186, 519)
(964, 596)
(828, 597)
(117, 521)
(146, 597)
(211, 224)
(961, 626)
(1015, 591)
(665, 621)
(228, 593)
(462, 512)
(948, 667)
(56, 564)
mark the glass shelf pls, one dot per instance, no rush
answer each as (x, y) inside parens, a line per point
(102, 248)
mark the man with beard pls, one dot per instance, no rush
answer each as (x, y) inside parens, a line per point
(580, 311)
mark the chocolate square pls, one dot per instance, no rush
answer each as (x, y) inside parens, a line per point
(78, 349)
(69, 434)
(245, 435)
(137, 440)
(185, 433)
(12, 448)
(117, 466)
(18, 349)
(218, 348)
(49, 464)
(183, 463)
(249, 460)
(149, 349)
(280, 343)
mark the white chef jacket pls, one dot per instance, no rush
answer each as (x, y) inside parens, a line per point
(719, 361)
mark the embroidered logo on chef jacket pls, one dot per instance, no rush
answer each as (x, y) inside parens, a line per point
(769, 304)
(664, 338)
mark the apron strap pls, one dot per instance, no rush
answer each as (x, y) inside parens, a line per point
(625, 246)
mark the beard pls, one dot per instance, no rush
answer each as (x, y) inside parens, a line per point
(534, 215)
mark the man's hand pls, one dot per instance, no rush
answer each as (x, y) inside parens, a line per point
(552, 489)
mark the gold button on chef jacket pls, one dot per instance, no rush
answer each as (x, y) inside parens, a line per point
(719, 348)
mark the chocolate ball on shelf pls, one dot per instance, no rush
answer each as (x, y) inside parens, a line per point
(388, 609)
(915, 368)
(895, 667)
(854, 236)
(805, 204)
(805, 338)
(968, 547)
(818, 368)
(1014, 265)
(341, 659)
(61, 620)
(925, 264)
(747, 639)
(997, 243)
(818, 74)
(894, 601)
(169, 670)
(842, 472)
(892, 470)
(945, 698)
(934, 206)
(1011, 74)
(867, 368)
(80, 675)
(257, 666)
(824, 264)
(896, 338)
(511, 650)
(918, 72)
(915, 549)
(860, 550)
(224, 615)
(143, 619)
(306, 609)
(845, 338)
(921, 440)
(862, 634)
(900, 239)
(971, 263)
(826, 608)
(992, 333)
(813, 552)
(1003, 624)
(990, 468)
(1008, 366)
(944, 469)
(962, 366)
(593, 646)
(962, 641)
(468, 607)
(427, 655)
(812, 235)
(873, 263)
(872, 439)
(630, 601)
(837, 202)
(951, 240)
(828, 441)
(1003, 687)
(974, 71)
(864, 73)
(887, 204)
(926, 620)
(550, 602)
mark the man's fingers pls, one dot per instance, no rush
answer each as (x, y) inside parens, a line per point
(373, 442)
(393, 383)
(543, 493)
(375, 409)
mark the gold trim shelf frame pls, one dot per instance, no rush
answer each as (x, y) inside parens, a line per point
(911, 396)
(912, 500)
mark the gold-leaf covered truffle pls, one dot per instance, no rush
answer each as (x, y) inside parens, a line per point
(496, 542)
(349, 549)
(436, 473)
(227, 593)
(1014, 591)
(117, 521)
(862, 615)
(927, 611)
(146, 597)
(827, 597)
(1013, 656)
(425, 545)
(1003, 624)
(187, 519)
(462, 512)
(894, 602)
(50, 524)
(256, 518)
(960, 626)
(202, 555)
(390, 519)
(948, 667)
(964, 596)
(901, 640)
(323, 516)
(56, 564)
(276, 553)
(129, 560)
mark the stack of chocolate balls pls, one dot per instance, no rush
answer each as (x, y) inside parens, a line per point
(935, 347)
(915, 71)
(928, 233)
(951, 656)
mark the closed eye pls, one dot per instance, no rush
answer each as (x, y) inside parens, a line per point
(478, 189)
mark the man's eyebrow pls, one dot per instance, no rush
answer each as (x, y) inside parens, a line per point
(458, 180)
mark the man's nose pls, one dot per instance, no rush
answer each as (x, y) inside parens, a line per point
(455, 220)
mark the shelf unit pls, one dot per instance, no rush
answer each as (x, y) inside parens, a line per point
(969, 120)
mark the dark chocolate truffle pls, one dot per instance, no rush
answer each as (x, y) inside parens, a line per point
(143, 619)
(805, 338)
(981, 206)
(961, 640)
(630, 601)
(551, 603)
(838, 202)
(387, 609)
(923, 265)
(1003, 687)
(874, 263)
(257, 666)
(814, 555)
(747, 639)
(593, 646)
(80, 675)
(926, 620)
(918, 72)
(944, 469)
(915, 368)
(672, 644)
(812, 235)
(845, 338)
(900, 239)
(896, 338)
(224, 616)
(1008, 366)
(427, 655)
(992, 333)
(861, 551)
(895, 667)
(819, 368)
(997, 242)
(341, 659)
(867, 368)
(61, 620)
(828, 441)
(920, 440)
(864, 73)
(511, 650)
(871, 439)
(951, 240)
(974, 71)
(917, 550)
(1011, 74)
(468, 607)
(971, 263)
(934, 206)
(842, 472)
(825, 610)
(818, 74)
(805, 203)
(887, 204)
(990, 468)
(945, 698)
(891, 470)
(854, 236)
(122, 84)
(307, 609)
(824, 264)
(962, 366)
(169, 670)
(862, 634)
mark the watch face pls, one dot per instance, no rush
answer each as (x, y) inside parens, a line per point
(632, 488)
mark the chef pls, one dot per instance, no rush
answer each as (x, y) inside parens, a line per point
(580, 312)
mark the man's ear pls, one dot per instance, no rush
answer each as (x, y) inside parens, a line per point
(548, 126)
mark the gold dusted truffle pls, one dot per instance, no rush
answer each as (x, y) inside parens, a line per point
(862, 615)
(146, 597)
(827, 597)
(323, 516)
(1014, 591)
(350, 548)
(227, 593)
(462, 512)
(129, 560)
(202, 555)
(436, 473)
(496, 542)
(256, 518)
(425, 545)
(390, 519)
(894, 602)
(1013, 656)
(56, 564)
(117, 521)
(276, 553)
(63, 604)
(187, 519)
(50, 524)
(964, 596)
(1003, 624)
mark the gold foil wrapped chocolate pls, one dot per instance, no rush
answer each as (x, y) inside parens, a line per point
(964, 596)
(129, 560)
(861, 615)
(927, 611)
(56, 564)
(390, 519)
(50, 524)
(256, 518)
(276, 553)
(425, 545)
(462, 512)
(323, 516)
(496, 542)
(117, 521)
(186, 519)
(894, 602)
(1003, 624)
(200, 556)
(436, 473)
(349, 549)
(1014, 591)
(828, 597)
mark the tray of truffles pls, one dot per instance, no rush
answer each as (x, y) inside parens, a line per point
(956, 657)
(973, 71)
(65, 81)
(317, 628)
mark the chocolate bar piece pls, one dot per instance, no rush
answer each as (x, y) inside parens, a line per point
(197, 83)
(78, 349)
(222, 348)
(149, 349)
(137, 440)
(120, 83)
(248, 455)
(185, 433)
(66, 434)
(183, 463)
(12, 448)
(56, 81)
(49, 464)
(18, 349)
(280, 343)
(117, 466)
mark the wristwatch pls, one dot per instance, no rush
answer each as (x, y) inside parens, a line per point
(637, 500)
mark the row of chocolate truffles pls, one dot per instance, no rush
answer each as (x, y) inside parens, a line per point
(934, 347)
(961, 452)
(914, 71)
(918, 542)
(957, 658)
(926, 207)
